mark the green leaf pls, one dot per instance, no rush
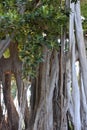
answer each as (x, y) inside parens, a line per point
(6, 53)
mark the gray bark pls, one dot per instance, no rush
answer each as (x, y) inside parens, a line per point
(44, 115)
(75, 85)
(81, 45)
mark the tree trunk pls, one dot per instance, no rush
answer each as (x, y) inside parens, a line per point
(17, 71)
(11, 110)
(75, 24)
(43, 103)
(81, 45)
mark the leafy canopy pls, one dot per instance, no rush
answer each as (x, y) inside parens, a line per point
(29, 20)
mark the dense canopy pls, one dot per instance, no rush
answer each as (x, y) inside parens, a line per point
(41, 41)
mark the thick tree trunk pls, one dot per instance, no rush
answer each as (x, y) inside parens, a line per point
(75, 86)
(11, 110)
(21, 87)
(45, 84)
(81, 45)
(75, 92)
(75, 24)
(14, 65)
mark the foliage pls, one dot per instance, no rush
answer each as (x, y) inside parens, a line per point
(29, 19)
(84, 13)
(6, 53)
(13, 87)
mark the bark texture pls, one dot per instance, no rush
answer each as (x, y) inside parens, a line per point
(9, 66)
(11, 110)
(77, 93)
(43, 88)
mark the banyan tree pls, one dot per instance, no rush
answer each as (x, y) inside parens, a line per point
(41, 42)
